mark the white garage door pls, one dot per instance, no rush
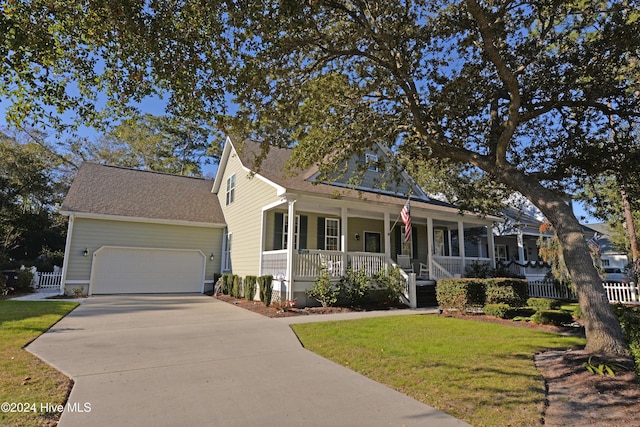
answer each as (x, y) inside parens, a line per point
(118, 270)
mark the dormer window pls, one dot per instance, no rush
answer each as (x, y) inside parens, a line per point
(372, 162)
(231, 189)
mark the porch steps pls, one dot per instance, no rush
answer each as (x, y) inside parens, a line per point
(426, 296)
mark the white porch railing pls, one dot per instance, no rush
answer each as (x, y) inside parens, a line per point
(370, 262)
(308, 263)
(452, 266)
(48, 280)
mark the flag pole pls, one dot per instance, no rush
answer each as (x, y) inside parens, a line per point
(398, 217)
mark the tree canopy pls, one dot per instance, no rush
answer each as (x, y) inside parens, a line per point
(520, 93)
(29, 189)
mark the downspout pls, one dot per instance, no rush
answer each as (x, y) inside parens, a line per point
(491, 248)
(67, 253)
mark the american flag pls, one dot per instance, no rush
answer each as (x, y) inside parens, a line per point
(405, 214)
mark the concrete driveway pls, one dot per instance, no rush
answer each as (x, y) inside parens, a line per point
(167, 360)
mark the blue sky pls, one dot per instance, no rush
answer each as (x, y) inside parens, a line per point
(156, 106)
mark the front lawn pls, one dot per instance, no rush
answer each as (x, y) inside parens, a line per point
(482, 373)
(23, 377)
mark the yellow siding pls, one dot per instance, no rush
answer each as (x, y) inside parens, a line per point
(95, 233)
(244, 215)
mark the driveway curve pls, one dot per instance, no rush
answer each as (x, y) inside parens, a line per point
(191, 360)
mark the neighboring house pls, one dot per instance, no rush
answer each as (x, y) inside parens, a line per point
(516, 244)
(610, 256)
(145, 231)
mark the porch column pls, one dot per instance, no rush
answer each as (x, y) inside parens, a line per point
(291, 232)
(492, 246)
(430, 244)
(387, 236)
(521, 251)
(463, 255)
(344, 219)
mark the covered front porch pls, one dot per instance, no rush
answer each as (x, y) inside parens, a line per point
(443, 244)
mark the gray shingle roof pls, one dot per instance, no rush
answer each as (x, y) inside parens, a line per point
(110, 190)
(273, 167)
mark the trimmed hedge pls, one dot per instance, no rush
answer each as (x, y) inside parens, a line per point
(250, 287)
(543, 303)
(227, 283)
(513, 292)
(500, 310)
(552, 317)
(236, 289)
(461, 294)
(266, 288)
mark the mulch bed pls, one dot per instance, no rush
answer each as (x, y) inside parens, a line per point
(575, 397)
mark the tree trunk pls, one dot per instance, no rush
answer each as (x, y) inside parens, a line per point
(603, 331)
(630, 229)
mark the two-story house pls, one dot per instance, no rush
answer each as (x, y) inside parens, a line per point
(143, 232)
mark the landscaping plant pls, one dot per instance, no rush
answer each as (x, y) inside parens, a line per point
(389, 284)
(323, 290)
(250, 287)
(266, 289)
(356, 285)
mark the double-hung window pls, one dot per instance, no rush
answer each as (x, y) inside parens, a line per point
(285, 232)
(231, 189)
(332, 234)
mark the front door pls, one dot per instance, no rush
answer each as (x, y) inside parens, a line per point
(372, 242)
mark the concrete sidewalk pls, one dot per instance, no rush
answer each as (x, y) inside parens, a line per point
(193, 360)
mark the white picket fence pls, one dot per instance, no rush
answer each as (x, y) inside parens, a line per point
(48, 280)
(626, 293)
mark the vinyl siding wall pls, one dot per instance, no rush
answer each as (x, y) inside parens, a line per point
(95, 233)
(244, 216)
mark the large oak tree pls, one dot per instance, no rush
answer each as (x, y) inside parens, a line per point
(519, 93)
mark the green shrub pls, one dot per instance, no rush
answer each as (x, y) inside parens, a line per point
(356, 286)
(500, 310)
(389, 285)
(323, 290)
(629, 318)
(552, 317)
(250, 287)
(24, 282)
(227, 283)
(460, 294)
(266, 288)
(513, 292)
(236, 290)
(543, 303)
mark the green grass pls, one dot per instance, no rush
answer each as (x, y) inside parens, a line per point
(482, 373)
(24, 377)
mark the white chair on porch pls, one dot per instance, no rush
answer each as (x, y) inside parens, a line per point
(404, 261)
(424, 271)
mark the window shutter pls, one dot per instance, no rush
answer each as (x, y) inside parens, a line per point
(321, 233)
(414, 241)
(277, 234)
(398, 241)
(303, 231)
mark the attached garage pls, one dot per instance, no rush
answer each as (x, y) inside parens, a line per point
(119, 270)
(133, 231)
